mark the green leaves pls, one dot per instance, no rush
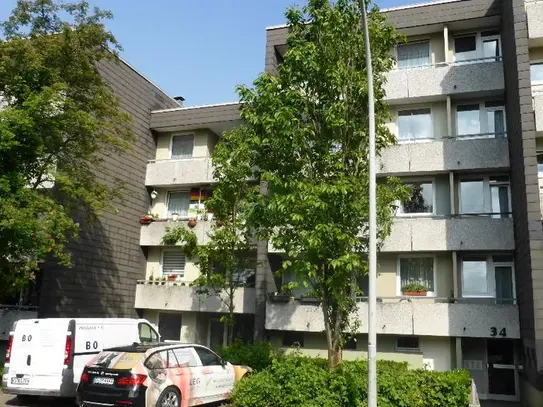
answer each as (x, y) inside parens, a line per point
(58, 122)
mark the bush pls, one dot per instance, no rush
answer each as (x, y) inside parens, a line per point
(258, 356)
(295, 381)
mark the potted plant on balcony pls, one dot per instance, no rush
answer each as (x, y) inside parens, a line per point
(172, 277)
(414, 290)
(146, 219)
(175, 216)
(192, 223)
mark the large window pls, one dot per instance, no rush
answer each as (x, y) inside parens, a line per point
(409, 343)
(536, 73)
(483, 46)
(415, 125)
(480, 120)
(182, 146)
(421, 201)
(178, 203)
(413, 55)
(173, 262)
(485, 195)
(417, 270)
(488, 276)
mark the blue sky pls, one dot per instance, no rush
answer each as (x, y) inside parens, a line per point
(198, 49)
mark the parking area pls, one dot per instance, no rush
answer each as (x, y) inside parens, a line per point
(8, 400)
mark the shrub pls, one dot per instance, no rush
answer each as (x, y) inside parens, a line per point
(295, 381)
(258, 356)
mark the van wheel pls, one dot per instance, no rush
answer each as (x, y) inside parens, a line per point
(27, 399)
(170, 397)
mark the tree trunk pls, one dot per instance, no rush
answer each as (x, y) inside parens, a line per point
(261, 286)
(333, 335)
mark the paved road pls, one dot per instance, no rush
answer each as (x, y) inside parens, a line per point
(6, 400)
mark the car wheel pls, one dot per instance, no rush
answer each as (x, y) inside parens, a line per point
(27, 399)
(170, 397)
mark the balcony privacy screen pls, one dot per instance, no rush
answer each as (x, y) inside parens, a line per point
(173, 262)
(417, 270)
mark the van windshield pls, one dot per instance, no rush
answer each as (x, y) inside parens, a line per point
(117, 360)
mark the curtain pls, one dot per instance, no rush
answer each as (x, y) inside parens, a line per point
(182, 147)
(413, 55)
(417, 270)
(178, 203)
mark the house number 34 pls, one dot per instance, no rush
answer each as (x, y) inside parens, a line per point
(494, 332)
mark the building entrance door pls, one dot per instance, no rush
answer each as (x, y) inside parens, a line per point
(502, 383)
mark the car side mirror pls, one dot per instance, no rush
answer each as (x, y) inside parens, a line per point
(223, 362)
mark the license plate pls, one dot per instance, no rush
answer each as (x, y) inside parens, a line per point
(108, 381)
(20, 381)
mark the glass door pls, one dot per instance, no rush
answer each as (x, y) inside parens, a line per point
(501, 369)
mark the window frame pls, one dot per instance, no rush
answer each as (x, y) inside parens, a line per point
(191, 350)
(483, 120)
(487, 196)
(532, 82)
(152, 331)
(207, 350)
(479, 47)
(414, 42)
(415, 256)
(182, 135)
(490, 275)
(403, 349)
(167, 206)
(431, 180)
(178, 249)
(422, 140)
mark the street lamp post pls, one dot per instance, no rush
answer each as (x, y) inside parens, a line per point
(372, 301)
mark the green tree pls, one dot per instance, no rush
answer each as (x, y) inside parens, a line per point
(307, 131)
(58, 122)
(226, 261)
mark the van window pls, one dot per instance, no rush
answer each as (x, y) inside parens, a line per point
(207, 357)
(147, 334)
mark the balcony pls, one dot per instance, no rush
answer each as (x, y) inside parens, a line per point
(169, 296)
(433, 234)
(403, 316)
(152, 234)
(476, 78)
(534, 11)
(193, 171)
(538, 109)
(451, 154)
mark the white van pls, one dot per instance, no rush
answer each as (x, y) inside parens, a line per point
(45, 357)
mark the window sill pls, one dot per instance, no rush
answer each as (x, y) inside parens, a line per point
(415, 215)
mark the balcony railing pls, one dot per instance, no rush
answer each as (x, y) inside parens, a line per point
(413, 316)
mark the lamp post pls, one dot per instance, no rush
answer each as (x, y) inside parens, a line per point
(372, 301)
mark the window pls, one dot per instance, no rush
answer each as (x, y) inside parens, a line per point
(407, 343)
(540, 164)
(487, 195)
(488, 276)
(169, 326)
(350, 342)
(483, 46)
(480, 119)
(415, 125)
(413, 55)
(291, 338)
(182, 146)
(185, 357)
(157, 362)
(207, 357)
(417, 270)
(147, 334)
(536, 73)
(173, 262)
(422, 200)
(178, 203)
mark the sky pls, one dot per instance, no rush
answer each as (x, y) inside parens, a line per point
(198, 49)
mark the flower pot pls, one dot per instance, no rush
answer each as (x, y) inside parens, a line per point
(219, 223)
(414, 293)
(146, 219)
(192, 223)
(175, 217)
(172, 277)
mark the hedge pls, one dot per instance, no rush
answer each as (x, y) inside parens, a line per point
(296, 381)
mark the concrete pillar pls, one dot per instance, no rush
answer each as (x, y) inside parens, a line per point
(189, 323)
(452, 193)
(449, 117)
(459, 362)
(446, 42)
(456, 288)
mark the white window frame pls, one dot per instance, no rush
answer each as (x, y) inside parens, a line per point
(418, 41)
(401, 214)
(422, 140)
(483, 120)
(162, 262)
(537, 86)
(415, 256)
(487, 196)
(166, 209)
(182, 135)
(490, 275)
(406, 350)
(479, 47)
